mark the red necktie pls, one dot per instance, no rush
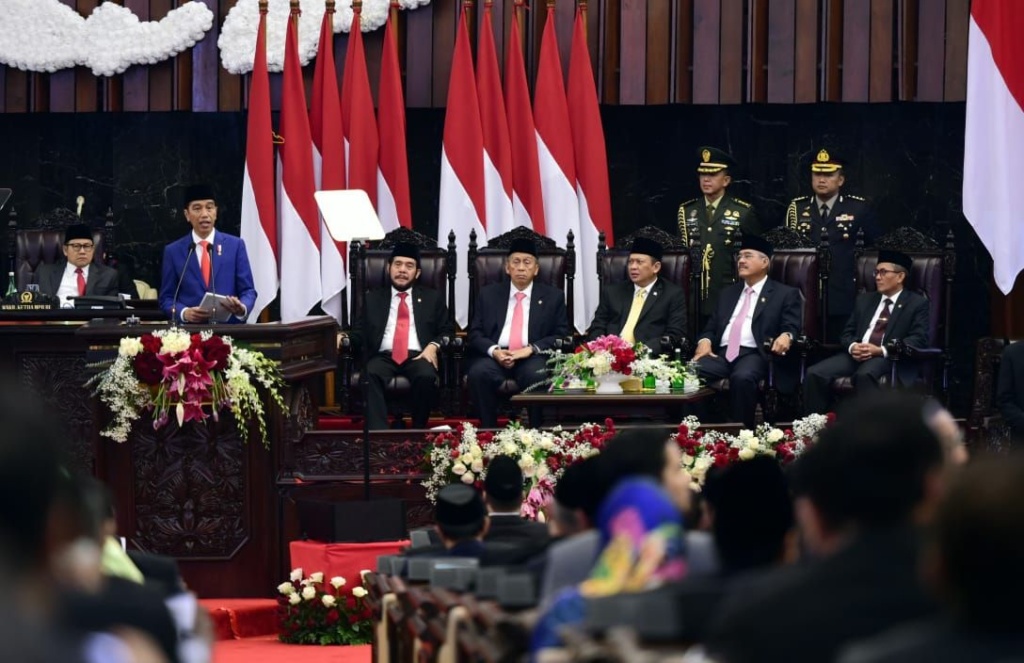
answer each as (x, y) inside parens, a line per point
(81, 282)
(400, 344)
(515, 334)
(204, 261)
(883, 321)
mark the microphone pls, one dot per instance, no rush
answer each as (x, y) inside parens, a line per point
(213, 279)
(174, 302)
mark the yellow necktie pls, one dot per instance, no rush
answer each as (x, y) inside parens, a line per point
(634, 315)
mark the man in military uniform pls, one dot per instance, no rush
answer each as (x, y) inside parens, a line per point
(716, 220)
(840, 216)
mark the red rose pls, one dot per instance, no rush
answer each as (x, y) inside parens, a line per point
(217, 351)
(332, 617)
(830, 418)
(455, 454)
(151, 343)
(148, 368)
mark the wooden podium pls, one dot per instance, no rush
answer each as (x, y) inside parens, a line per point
(202, 493)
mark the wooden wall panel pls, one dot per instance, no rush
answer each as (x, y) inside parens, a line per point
(633, 60)
(883, 24)
(642, 52)
(707, 27)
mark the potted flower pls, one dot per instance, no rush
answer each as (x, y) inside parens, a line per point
(312, 611)
(606, 361)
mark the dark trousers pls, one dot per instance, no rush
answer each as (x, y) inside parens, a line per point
(422, 376)
(485, 377)
(745, 374)
(818, 383)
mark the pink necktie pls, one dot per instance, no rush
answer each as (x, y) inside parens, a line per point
(736, 332)
(81, 281)
(515, 336)
(400, 342)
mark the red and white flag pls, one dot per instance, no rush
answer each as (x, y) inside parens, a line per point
(328, 164)
(357, 116)
(259, 215)
(393, 200)
(497, 148)
(300, 219)
(462, 206)
(595, 204)
(527, 197)
(555, 156)
(994, 137)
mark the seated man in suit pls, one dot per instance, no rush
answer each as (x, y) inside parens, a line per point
(646, 308)
(77, 274)
(205, 261)
(404, 326)
(511, 327)
(503, 493)
(889, 313)
(748, 312)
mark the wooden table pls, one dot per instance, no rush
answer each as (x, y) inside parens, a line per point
(588, 406)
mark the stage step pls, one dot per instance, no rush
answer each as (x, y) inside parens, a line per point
(242, 618)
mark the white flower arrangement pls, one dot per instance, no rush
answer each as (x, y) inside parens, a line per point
(47, 36)
(237, 40)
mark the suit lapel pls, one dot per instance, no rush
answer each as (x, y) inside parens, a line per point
(763, 299)
(419, 314)
(650, 301)
(56, 276)
(90, 281)
(901, 303)
(538, 308)
(868, 314)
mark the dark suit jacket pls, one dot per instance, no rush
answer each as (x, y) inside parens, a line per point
(515, 529)
(1010, 392)
(232, 274)
(909, 323)
(428, 310)
(548, 319)
(808, 613)
(102, 280)
(850, 214)
(663, 314)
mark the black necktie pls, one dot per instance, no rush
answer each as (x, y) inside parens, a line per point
(824, 212)
(883, 320)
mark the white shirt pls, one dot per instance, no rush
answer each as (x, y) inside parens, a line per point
(506, 331)
(747, 334)
(874, 320)
(831, 202)
(69, 284)
(199, 250)
(387, 343)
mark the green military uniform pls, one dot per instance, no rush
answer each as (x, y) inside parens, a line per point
(717, 233)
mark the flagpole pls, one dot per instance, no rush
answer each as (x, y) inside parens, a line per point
(394, 18)
(518, 7)
(583, 12)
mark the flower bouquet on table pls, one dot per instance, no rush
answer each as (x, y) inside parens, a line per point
(188, 376)
(706, 448)
(663, 375)
(594, 360)
(314, 612)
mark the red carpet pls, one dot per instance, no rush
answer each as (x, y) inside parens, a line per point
(242, 618)
(270, 650)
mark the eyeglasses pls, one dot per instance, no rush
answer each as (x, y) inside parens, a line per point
(884, 272)
(80, 247)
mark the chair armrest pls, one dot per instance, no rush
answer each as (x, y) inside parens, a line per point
(564, 344)
(898, 350)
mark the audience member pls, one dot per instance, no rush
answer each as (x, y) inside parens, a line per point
(1010, 389)
(647, 308)
(404, 325)
(80, 272)
(746, 315)
(945, 427)
(503, 493)
(862, 493)
(890, 313)
(513, 324)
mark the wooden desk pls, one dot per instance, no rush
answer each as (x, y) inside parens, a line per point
(577, 407)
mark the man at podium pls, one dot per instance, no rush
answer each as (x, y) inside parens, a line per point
(205, 261)
(77, 275)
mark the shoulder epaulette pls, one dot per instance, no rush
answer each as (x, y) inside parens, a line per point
(688, 202)
(860, 198)
(800, 199)
(741, 202)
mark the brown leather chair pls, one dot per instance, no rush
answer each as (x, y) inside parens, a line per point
(612, 267)
(43, 243)
(487, 265)
(368, 269)
(931, 275)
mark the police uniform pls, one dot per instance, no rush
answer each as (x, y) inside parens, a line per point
(848, 215)
(718, 234)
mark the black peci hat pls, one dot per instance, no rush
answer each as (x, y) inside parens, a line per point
(757, 243)
(827, 162)
(195, 192)
(522, 245)
(711, 160)
(896, 258)
(504, 480)
(647, 247)
(405, 250)
(77, 231)
(460, 510)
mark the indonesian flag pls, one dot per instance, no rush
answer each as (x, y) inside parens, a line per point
(393, 204)
(259, 216)
(555, 155)
(527, 197)
(497, 148)
(462, 200)
(994, 137)
(328, 164)
(300, 220)
(357, 116)
(595, 205)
